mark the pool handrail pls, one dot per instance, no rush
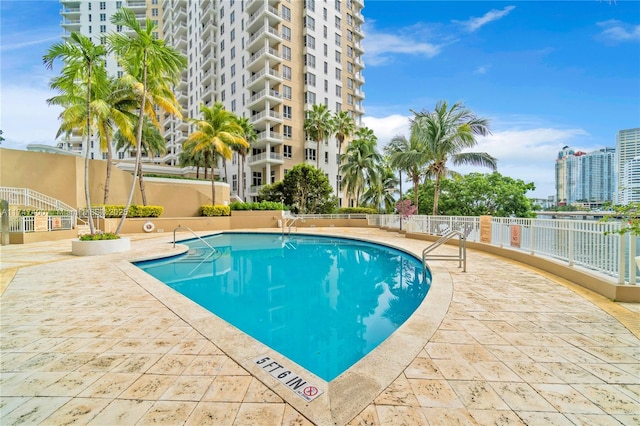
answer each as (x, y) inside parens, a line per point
(196, 235)
(462, 250)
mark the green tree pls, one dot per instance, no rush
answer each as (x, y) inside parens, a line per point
(343, 127)
(381, 191)
(410, 156)
(152, 141)
(250, 135)
(189, 158)
(359, 164)
(478, 194)
(83, 64)
(305, 189)
(218, 132)
(152, 67)
(318, 125)
(445, 133)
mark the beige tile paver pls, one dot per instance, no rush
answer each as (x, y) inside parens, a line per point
(82, 341)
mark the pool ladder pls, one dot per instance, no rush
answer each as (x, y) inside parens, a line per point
(186, 228)
(462, 251)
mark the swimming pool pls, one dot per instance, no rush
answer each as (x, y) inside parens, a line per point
(323, 302)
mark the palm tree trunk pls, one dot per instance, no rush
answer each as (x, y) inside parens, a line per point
(142, 192)
(92, 228)
(240, 183)
(138, 145)
(318, 155)
(436, 194)
(107, 180)
(213, 182)
(416, 184)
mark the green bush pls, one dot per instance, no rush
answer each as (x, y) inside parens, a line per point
(357, 210)
(262, 205)
(100, 236)
(209, 210)
(115, 211)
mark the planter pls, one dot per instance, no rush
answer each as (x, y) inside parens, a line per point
(95, 248)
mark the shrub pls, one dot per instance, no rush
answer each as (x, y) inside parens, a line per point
(209, 210)
(100, 236)
(115, 211)
(357, 210)
(262, 205)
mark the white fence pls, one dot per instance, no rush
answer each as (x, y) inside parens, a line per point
(28, 223)
(587, 243)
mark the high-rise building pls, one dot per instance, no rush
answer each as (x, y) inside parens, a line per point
(586, 178)
(628, 159)
(269, 61)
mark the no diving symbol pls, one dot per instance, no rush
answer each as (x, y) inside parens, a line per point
(310, 391)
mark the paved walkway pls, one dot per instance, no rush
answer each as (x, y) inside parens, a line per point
(83, 342)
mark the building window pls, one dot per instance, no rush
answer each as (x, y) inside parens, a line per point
(338, 22)
(287, 131)
(350, 51)
(338, 106)
(286, 112)
(257, 178)
(232, 17)
(233, 105)
(338, 40)
(310, 4)
(338, 5)
(286, 92)
(234, 183)
(350, 83)
(89, 18)
(287, 152)
(233, 88)
(326, 157)
(309, 98)
(233, 52)
(103, 17)
(286, 33)
(154, 11)
(286, 72)
(338, 73)
(310, 154)
(232, 34)
(310, 41)
(309, 22)
(119, 28)
(338, 90)
(310, 60)
(350, 99)
(310, 79)
(233, 70)
(103, 5)
(103, 28)
(286, 53)
(286, 13)
(222, 46)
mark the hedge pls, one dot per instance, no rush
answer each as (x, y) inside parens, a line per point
(357, 210)
(115, 211)
(209, 210)
(262, 205)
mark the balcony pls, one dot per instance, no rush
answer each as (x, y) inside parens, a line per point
(359, 93)
(262, 34)
(260, 99)
(72, 13)
(263, 118)
(265, 10)
(271, 56)
(258, 79)
(359, 77)
(264, 158)
(70, 25)
(137, 6)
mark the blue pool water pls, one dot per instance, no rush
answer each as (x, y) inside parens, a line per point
(323, 302)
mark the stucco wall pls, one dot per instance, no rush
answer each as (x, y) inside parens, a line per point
(62, 177)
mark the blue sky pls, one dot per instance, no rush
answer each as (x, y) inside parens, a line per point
(546, 74)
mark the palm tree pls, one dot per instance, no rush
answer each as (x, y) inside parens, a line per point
(381, 190)
(152, 67)
(359, 163)
(251, 137)
(343, 126)
(194, 159)
(409, 155)
(445, 133)
(83, 64)
(152, 141)
(318, 126)
(217, 133)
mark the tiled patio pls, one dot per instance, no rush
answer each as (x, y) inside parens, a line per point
(87, 341)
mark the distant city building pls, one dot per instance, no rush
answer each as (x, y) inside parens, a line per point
(267, 60)
(628, 151)
(585, 178)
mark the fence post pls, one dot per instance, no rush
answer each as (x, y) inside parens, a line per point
(621, 262)
(533, 237)
(570, 230)
(632, 258)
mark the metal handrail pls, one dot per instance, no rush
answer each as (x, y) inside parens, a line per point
(196, 235)
(462, 250)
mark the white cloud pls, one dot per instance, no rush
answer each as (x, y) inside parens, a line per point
(523, 153)
(474, 24)
(379, 46)
(26, 117)
(483, 69)
(614, 30)
(386, 128)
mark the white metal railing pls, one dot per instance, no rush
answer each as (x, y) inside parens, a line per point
(29, 198)
(28, 223)
(587, 243)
